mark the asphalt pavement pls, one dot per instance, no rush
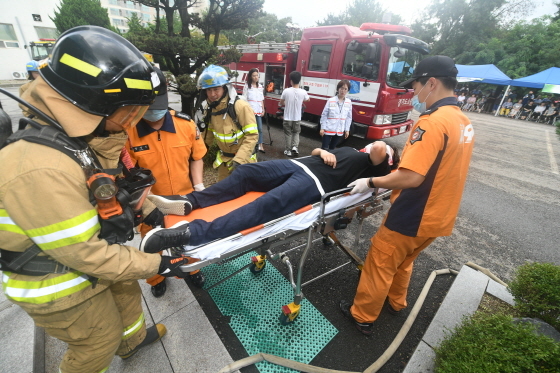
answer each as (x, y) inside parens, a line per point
(509, 215)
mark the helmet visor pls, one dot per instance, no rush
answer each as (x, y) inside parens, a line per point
(127, 116)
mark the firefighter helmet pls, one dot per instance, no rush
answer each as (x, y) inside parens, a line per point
(32, 66)
(212, 76)
(99, 71)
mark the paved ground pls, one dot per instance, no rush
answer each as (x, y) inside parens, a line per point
(509, 214)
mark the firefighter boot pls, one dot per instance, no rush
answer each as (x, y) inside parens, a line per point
(172, 205)
(159, 239)
(153, 334)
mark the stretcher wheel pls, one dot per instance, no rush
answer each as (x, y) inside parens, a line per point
(256, 270)
(285, 319)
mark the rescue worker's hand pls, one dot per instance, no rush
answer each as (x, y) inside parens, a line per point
(328, 158)
(234, 165)
(360, 185)
(170, 266)
(321, 132)
(199, 187)
(346, 134)
(155, 218)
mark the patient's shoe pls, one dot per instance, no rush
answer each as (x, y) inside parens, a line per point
(172, 205)
(159, 239)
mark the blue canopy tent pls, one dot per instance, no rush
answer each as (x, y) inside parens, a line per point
(539, 80)
(489, 74)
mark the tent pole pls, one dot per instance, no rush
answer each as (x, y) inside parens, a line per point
(501, 102)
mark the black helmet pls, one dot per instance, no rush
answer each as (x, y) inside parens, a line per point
(99, 71)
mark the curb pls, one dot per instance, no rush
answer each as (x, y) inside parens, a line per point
(462, 300)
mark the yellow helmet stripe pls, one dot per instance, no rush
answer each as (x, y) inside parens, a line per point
(80, 65)
(112, 90)
(138, 84)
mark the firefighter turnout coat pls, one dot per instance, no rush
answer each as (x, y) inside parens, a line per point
(44, 200)
(236, 143)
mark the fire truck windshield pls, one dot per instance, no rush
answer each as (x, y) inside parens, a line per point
(362, 60)
(401, 65)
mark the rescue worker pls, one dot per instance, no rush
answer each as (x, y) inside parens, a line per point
(236, 137)
(169, 144)
(32, 68)
(427, 189)
(81, 288)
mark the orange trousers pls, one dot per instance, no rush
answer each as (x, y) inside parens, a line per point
(156, 279)
(386, 273)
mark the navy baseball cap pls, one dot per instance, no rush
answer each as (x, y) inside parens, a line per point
(432, 67)
(161, 102)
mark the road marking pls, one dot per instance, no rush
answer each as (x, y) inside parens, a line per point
(553, 164)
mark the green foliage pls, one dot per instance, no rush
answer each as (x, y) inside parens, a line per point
(72, 13)
(536, 289)
(264, 28)
(492, 343)
(358, 12)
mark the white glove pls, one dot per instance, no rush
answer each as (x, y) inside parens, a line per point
(199, 187)
(360, 185)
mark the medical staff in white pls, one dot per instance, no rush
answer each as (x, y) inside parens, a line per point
(336, 117)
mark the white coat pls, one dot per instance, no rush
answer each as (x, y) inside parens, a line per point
(334, 119)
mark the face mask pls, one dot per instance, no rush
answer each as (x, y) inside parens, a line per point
(419, 106)
(154, 115)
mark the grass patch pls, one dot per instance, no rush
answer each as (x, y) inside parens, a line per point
(493, 343)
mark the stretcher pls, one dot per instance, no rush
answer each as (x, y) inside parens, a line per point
(335, 211)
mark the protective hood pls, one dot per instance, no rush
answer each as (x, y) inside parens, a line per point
(74, 120)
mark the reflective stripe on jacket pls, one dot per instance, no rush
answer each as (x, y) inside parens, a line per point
(334, 120)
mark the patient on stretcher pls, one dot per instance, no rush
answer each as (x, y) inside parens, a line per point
(289, 184)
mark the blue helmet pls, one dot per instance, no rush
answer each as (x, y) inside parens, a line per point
(32, 66)
(212, 76)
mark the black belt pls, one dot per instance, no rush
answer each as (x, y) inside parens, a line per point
(29, 263)
(232, 155)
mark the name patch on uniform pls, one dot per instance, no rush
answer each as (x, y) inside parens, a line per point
(178, 114)
(417, 135)
(140, 148)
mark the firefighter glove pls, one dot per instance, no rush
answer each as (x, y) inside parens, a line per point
(360, 185)
(199, 187)
(171, 266)
(154, 218)
(234, 165)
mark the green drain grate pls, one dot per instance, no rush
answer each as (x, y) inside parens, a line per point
(254, 303)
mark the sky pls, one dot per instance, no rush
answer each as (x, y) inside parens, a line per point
(306, 12)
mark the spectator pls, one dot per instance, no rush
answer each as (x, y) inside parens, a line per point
(528, 97)
(336, 117)
(480, 103)
(551, 114)
(469, 106)
(538, 100)
(461, 100)
(539, 110)
(515, 109)
(254, 93)
(293, 99)
(506, 108)
(489, 103)
(512, 95)
(497, 102)
(527, 109)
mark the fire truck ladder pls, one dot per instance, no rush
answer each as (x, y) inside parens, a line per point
(263, 47)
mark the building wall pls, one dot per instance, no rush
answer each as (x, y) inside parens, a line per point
(26, 21)
(120, 10)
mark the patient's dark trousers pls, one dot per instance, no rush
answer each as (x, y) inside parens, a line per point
(287, 188)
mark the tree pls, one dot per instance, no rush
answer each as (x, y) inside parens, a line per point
(184, 51)
(358, 12)
(264, 28)
(557, 14)
(72, 13)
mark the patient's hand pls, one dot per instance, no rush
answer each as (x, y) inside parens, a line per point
(328, 158)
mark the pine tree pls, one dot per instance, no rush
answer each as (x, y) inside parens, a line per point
(72, 13)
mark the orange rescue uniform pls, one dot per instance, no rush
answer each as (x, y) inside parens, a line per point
(167, 152)
(439, 147)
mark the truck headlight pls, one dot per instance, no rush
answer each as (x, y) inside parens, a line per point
(382, 119)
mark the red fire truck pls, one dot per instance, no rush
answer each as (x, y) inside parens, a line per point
(375, 58)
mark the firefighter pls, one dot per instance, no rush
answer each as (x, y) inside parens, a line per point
(169, 144)
(32, 73)
(230, 121)
(81, 288)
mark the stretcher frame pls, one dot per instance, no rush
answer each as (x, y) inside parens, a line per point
(326, 225)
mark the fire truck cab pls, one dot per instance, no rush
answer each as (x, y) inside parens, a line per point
(375, 58)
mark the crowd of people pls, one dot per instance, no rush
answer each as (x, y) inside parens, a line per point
(540, 108)
(99, 130)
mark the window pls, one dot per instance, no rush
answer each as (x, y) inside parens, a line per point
(8, 38)
(362, 60)
(117, 22)
(113, 2)
(46, 32)
(402, 63)
(320, 57)
(114, 11)
(146, 17)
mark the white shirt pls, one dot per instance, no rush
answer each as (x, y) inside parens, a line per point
(293, 100)
(255, 97)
